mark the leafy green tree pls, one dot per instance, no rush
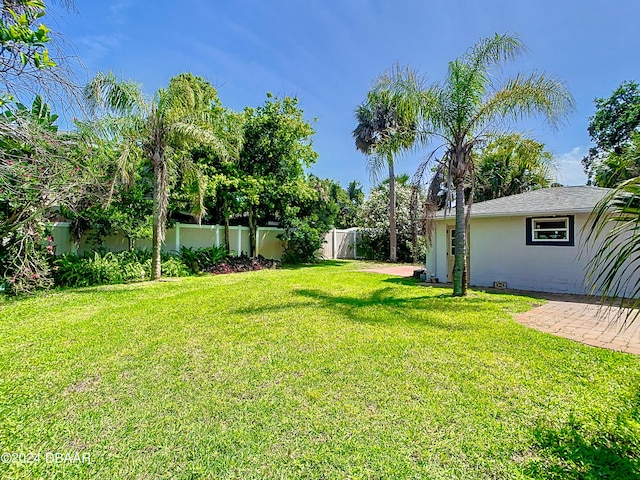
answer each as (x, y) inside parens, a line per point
(614, 129)
(373, 219)
(129, 210)
(384, 129)
(619, 165)
(222, 199)
(512, 164)
(468, 106)
(30, 62)
(355, 192)
(344, 202)
(306, 220)
(157, 131)
(41, 171)
(277, 147)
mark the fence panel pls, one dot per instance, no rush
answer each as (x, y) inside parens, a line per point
(341, 243)
(268, 245)
(338, 243)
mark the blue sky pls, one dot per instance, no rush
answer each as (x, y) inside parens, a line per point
(327, 53)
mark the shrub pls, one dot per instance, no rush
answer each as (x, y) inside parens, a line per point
(207, 257)
(70, 270)
(202, 259)
(189, 257)
(301, 241)
(242, 263)
(96, 268)
(24, 262)
(173, 267)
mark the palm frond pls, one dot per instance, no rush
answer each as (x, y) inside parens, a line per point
(189, 130)
(377, 165)
(364, 133)
(492, 52)
(106, 92)
(613, 233)
(196, 183)
(525, 95)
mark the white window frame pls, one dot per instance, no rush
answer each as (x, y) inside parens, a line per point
(546, 240)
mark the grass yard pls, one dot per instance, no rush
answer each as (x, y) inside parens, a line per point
(318, 372)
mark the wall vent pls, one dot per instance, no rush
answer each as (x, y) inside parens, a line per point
(501, 285)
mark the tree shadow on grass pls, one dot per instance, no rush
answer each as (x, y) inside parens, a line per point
(321, 263)
(576, 451)
(409, 281)
(381, 306)
(365, 309)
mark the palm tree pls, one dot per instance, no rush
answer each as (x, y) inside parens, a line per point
(613, 230)
(512, 164)
(154, 129)
(467, 107)
(382, 131)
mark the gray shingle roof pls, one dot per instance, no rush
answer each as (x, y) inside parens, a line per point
(557, 200)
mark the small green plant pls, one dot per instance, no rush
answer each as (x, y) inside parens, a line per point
(95, 268)
(189, 257)
(208, 257)
(174, 267)
(82, 271)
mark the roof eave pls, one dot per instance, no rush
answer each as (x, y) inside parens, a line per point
(520, 214)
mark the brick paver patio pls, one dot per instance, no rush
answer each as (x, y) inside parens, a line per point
(575, 317)
(583, 319)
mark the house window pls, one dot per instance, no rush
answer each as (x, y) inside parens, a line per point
(557, 231)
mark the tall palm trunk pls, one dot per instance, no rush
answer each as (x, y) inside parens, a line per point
(393, 240)
(459, 288)
(160, 201)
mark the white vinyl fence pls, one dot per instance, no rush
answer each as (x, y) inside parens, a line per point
(341, 243)
(338, 243)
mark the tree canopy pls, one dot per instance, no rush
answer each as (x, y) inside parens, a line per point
(512, 164)
(615, 128)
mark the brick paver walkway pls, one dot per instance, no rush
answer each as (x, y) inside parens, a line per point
(575, 317)
(583, 319)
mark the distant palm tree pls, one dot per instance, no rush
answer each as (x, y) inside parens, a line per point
(467, 107)
(355, 193)
(152, 129)
(382, 132)
(613, 230)
(512, 164)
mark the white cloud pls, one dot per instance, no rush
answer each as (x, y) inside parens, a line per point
(116, 11)
(570, 171)
(97, 47)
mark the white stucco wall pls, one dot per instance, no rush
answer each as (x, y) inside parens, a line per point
(436, 261)
(499, 253)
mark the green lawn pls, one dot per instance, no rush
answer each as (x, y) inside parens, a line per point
(318, 372)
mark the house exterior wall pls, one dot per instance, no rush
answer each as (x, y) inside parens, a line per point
(436, 261)
(499, 253)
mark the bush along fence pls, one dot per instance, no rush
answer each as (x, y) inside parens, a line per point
(339, 244)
